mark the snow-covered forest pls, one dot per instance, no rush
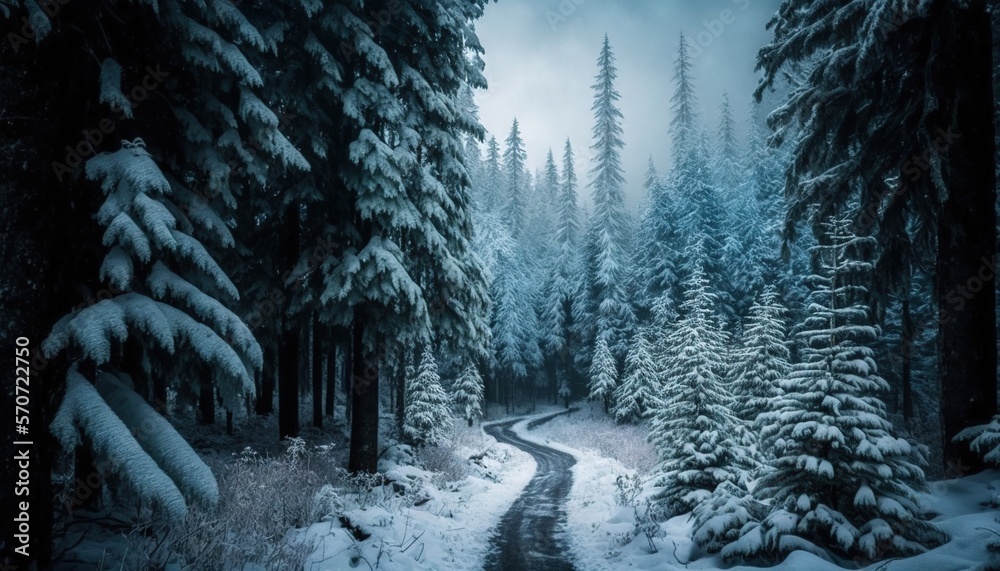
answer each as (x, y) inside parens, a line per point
(279, 299)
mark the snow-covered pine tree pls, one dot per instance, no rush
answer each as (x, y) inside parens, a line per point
(557, 307)
(762, 360)
(603, 375)
(492, 193)
(515, 197)
(515, 329)
(726, 160)
(428, 417)
(907, 75)
(467, 394)
(699, 214)
(843, 486)
(637, 394)
(550, 182)
(408, 195)
(658, 230)
(166, 204)
(692, 429)
(613, 317)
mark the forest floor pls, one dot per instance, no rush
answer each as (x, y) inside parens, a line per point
(601, 533)
(444, 507)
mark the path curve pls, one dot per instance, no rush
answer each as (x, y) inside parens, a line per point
(528, 537)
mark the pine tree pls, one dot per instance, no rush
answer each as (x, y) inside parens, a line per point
(550, 182)
(468, 394)
(659, 231)
(408, 273)
(427, 416)
(693, 430)
(636, 396)
(515, 328)
(603, 374)
(842, 485)
(557, 307)
(727, 168)
(606, 248)
(491, 195)
(515, 203)
(699, 210)
(936, 69)
(762, 360)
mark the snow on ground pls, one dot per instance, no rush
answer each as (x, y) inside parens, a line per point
(599, 530)
(432, 525)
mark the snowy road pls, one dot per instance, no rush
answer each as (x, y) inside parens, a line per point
(528, 535)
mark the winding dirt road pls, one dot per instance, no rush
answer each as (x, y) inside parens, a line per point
(528, 537)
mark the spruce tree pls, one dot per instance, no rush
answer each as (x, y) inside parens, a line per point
(468, 394)
(606, 247)
(693, 429)
(762, 360)
(636, 396)
(515, 203)
(842, 485)
(887, 84)
(427, 416)
(559, 300)
(603, 374)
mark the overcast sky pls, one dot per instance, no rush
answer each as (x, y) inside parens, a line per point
(541, 60)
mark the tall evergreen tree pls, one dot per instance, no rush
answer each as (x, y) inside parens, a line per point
(606, 249)
(557, 308)
(468, 394)
(843, 485)
(603, 375)
(693, 430)
(902, 92)
(515, 203)
(637, 394)
(762, 360)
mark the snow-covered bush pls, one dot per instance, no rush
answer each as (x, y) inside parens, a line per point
(719, 519)
(261, 501)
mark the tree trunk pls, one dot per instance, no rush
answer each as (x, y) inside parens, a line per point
(331, 374)
(265, 396)
(288, 347)
(400, 377)
(206, 399)
(347, 374)
(364, 407)
(907, 354)
(288, 384)
(966, 223)
(317, 373)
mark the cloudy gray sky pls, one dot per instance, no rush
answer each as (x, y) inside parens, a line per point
(541, 59)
